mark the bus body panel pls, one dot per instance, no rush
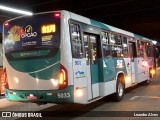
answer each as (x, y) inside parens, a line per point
(65, 46)
(142, 70)
(44, 96)
(107, 88)
(25, 73)
(80, 74)
(23, 81)
(129, 81)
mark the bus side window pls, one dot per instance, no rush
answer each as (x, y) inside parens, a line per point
(149, 50)
(105, 46)
(76, 41)
(86, 47)
(93, 47)
(140, 46)
(116, 45)
(125, 47)
(116, 51)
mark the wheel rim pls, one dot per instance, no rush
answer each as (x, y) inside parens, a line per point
(120, 89)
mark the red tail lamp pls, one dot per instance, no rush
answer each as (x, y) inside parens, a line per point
(63, 77)
(57, 14)
(6, 23)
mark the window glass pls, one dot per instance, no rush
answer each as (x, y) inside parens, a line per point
(115, 39)
(106, 48)
(86, 46)
(112, 40)
(105, 37)
(93, 47)
(140, 47)
(149, 50)
(116, 51)
(39, 32)
(125, 47)
(76, 41)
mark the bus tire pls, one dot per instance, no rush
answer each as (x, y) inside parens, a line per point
(118, 96)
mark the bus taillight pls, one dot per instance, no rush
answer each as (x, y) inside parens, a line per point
(152, 71)
(57, 14)
(63, 78)
(5, 78)
(6, 24)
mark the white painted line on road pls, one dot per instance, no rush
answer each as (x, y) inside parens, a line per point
(135, 97)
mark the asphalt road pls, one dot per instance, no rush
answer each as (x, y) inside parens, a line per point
(138, 100)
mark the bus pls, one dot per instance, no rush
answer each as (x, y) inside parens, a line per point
(62, 57)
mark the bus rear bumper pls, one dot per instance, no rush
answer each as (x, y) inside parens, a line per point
(49, 96)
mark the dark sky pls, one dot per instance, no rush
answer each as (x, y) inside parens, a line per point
(137, 16)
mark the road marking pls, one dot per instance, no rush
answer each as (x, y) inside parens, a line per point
(135, 97)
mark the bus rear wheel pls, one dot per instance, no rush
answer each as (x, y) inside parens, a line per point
(118, 96)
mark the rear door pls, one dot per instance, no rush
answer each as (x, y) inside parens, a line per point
(132, 51)
(91, 51)
(142, 62)
(79, 63)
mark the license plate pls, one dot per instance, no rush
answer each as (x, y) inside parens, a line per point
(31, 97)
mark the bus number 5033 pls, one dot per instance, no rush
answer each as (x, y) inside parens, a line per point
(63, 95)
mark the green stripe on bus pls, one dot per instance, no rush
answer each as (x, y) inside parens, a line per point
(99, 24)
(49, 73)
(111, 69)
(32, 65)
(107, 69)
(138, 36)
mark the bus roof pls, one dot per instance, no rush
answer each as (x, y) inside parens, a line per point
(106, 26)
(96, 24)
(114, 29)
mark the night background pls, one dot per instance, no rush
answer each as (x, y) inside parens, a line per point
(138, 16)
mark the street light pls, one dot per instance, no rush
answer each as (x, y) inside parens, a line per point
(15, 10)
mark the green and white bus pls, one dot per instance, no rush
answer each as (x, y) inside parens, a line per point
(62, 57)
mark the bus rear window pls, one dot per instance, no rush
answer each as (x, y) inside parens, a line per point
(33, 33)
